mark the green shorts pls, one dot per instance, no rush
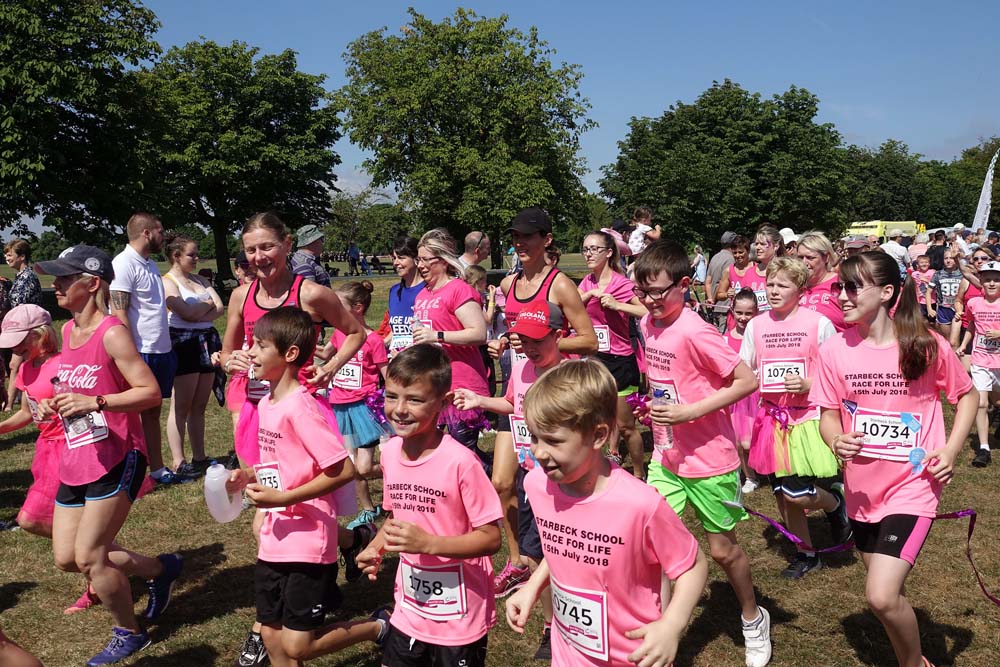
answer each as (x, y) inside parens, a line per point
(706, 494)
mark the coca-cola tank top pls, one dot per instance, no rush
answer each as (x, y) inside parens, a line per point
(97, 442)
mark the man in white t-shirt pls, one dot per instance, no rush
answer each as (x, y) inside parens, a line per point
(893, 248)
(137, 299)
(477, 249)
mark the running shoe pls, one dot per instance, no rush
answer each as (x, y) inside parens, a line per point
(982, 458)
(364, 516)
(510, 579)
(84, 602)
(203, 465)
(757, 638)
(544, 651)
(10, 524)
(162, 587)
(750, 486)
(253, 653)
(363, 535)
(123, 644)
(801, 565)
(187, 472)
(840, 526)
(615, 458)
(382, 615)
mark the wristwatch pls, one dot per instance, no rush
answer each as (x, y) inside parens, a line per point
(101, 403)
(440, 336)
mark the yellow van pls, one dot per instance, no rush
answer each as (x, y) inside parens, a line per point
(881, 228)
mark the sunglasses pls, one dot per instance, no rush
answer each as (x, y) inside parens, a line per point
(850, 287)
(981, 258)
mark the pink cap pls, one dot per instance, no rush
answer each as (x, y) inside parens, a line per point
(19, 320)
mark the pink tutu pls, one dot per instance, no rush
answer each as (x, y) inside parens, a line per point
(743, 413)
(41, 497)
(246, 444)
(236, 392)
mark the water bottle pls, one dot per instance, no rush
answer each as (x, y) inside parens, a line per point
(74, 425)
(415, 324)
(660, 399)
(223, 506)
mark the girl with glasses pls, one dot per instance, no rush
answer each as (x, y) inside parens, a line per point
(607, 294)
(969, 288)
(878, 387)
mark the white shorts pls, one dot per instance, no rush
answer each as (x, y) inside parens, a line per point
(985, 379)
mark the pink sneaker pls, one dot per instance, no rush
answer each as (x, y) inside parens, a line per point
(510, 579)
(84, 602)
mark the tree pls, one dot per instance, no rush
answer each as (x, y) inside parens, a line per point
(368, 219)
(63, 86)
(731, 161)
(227, 134)
(469, 119)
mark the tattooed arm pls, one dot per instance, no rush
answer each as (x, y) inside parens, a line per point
(119, 305)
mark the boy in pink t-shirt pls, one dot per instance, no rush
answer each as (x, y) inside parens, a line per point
(302, 463)
(984, 315)
(878, 386)
(695, 459)
(540, 328)
(444, 523)
(609, 539)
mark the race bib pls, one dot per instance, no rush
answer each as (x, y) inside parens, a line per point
(581, 618)
(522, 439)
(85, 429)
(761, 296)
(33, 408)
(663, 436)
(987, 345)
(349, 376)
(402, 337)
(887, 435)
(773, 372)
(268, 475)
(516, 356)
(436, 592)
(603, 337)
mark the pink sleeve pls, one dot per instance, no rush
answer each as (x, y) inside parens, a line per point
(19, 378)
(825, 386)
(316, 437)
(461, 294)
(951, 377)
(482, 504)
(714, 353)
(668, 542)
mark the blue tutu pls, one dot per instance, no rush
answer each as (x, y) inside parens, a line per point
(358, 425)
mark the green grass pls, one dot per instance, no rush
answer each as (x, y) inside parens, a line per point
(820, 620)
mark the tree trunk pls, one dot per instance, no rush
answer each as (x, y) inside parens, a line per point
(219, 228)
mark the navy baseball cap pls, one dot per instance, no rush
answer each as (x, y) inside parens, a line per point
(79, 259)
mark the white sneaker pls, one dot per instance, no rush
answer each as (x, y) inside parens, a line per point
(757, 638)
(750, 486)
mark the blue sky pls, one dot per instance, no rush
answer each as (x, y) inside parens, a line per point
(921, 72)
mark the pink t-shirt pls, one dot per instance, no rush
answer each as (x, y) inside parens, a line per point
(296, 446)
(821, 298)
(606, 554)
(522, 376)
(442, 601)
(863, 381)
(923, 280)
(984, 316)
(751, 279)
(98, 441)
(436, 309)
(691, 360)
(611, 326)
(36, 383)
(734, 340)
(774, 348)
(358, 378)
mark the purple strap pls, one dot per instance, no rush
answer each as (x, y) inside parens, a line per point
(795, 539)
(971, 513)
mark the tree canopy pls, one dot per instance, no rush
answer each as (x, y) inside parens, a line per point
(64, 86)
(228, 132)
(470, 120)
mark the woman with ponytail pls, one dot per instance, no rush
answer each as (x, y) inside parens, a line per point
(878, 385)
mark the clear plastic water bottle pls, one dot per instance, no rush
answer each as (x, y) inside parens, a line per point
(75, 425)
(415, 324)
(222, 505)
(660, 399)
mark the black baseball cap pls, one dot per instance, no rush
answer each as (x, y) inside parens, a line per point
(79, 259)
(530, 221)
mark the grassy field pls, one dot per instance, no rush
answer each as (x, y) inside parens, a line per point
(820, 620)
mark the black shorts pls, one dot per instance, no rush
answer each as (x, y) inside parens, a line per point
(528, 539)
(897, 535)
(625, 370)
(296, 595)
(793, 486)
(194, 349)
(503, 424)
(402, 651)
(126, 476)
